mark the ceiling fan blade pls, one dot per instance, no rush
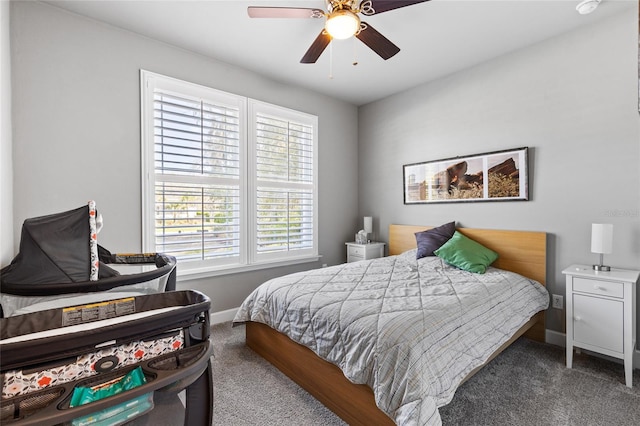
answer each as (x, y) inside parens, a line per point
(283, 12)
(317, 47)
(377, 42)
(386, 5)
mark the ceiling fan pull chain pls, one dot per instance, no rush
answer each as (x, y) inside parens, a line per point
(355, 56)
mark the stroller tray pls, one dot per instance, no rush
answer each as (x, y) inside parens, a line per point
(47, 355)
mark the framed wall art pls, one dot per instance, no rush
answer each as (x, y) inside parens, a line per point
(491, 176)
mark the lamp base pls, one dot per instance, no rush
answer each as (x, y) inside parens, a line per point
(601, 268)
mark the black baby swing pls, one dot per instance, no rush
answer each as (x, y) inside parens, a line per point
(84, 343)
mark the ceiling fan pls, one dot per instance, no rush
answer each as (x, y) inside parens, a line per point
(342, 21)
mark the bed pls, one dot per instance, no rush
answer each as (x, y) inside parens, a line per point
(373, 384)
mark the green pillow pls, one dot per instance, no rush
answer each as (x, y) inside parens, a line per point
(466, 254)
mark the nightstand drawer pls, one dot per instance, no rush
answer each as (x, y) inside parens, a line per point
(368, 251)
(358, 251)
(597, 287)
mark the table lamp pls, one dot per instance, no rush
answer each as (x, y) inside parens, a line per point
(601, 242)
(368, 225)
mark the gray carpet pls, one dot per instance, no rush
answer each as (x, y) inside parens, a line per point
(527, 384)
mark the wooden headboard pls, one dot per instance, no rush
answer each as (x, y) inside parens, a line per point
(523, 252)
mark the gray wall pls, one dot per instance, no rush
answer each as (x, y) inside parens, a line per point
(76, 131)
(572, 99)
(6, 169)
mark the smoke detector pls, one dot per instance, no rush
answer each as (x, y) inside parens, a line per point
(587, 6)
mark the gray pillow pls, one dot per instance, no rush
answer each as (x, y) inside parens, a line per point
(432, 239)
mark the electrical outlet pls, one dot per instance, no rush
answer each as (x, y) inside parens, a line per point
(557, 301)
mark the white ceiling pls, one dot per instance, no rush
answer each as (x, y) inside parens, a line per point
(436, 38)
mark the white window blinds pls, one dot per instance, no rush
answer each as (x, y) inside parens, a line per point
(284, 182)
(197, 170)
(227, 182)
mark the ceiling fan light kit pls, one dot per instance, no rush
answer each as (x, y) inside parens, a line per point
(342, 22)
(587, 6)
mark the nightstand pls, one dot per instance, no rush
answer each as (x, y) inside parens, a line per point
(601, 313)
(357, 252)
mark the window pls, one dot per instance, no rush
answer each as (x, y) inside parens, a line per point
(229, 183)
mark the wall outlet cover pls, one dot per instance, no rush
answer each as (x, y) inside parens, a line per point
(557, 301)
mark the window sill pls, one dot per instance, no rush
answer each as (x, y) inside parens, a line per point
(200, 273)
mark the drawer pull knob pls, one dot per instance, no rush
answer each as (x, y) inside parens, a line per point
(577, 318)
(599, 287)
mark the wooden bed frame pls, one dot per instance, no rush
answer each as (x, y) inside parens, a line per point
(519, 251)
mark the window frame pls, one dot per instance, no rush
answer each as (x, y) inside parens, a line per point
(248, 259)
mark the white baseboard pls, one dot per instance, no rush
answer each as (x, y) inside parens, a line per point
(555, 338)
(223, 316)
(559, 339)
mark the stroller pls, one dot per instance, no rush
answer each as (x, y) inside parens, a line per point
(93, 338)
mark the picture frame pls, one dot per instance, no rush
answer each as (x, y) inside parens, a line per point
(491, 176)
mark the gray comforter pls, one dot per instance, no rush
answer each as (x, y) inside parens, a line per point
(411, 330)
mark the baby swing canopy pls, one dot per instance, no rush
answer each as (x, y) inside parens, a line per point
(53, 249)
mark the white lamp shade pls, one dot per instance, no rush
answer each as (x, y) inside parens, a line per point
(368, 224)
(601, 238)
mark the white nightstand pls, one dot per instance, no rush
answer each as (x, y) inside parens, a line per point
(601, 313)
(357, 252)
